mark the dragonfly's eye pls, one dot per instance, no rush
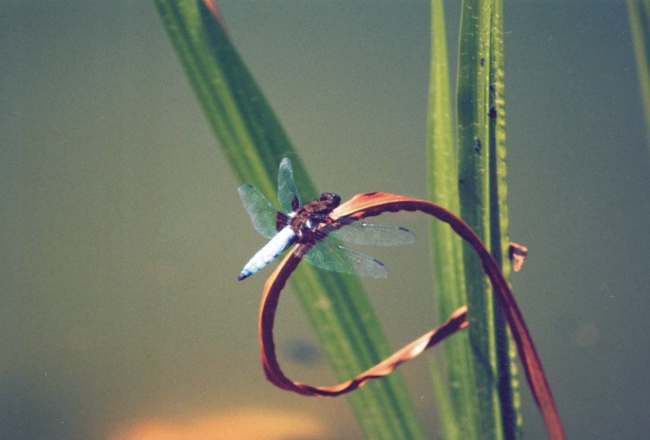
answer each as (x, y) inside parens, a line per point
(330, 199)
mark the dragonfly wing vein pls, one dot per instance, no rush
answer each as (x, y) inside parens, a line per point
(287, 190)
(374, 234)
(262, 213)
(331, 256)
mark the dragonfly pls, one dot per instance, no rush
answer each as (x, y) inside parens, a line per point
(312, 226)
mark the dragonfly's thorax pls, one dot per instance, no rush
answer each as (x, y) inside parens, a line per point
(311, 222)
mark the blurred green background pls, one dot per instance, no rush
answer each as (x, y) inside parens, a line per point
(122, 234)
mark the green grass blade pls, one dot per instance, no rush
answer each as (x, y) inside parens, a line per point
(480, 363)
(639, 13)
(254, 142)
(473, 107)
(506, 350)
(449, 425)
(446, 248)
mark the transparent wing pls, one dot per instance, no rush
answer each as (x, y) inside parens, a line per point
(373, 234)
(262, 213)
(287, 191)
(329, 255)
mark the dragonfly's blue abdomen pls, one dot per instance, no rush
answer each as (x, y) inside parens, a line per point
(272, 249)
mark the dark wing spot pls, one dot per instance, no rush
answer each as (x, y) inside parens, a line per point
(282, 221)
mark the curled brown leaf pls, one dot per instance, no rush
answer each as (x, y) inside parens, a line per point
(373, 204)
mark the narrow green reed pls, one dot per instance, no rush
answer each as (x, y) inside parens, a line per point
(470, 177)
(508, 385)
(639, 13)
(457, 406)
(254, 143)
(472, 106)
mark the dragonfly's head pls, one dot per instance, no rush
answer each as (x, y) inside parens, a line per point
(330, 200)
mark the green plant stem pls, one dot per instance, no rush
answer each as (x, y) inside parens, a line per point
(506, 353)
(479, 366)
(472, 102)
(457, 406)
(254, 142)
(639, 14)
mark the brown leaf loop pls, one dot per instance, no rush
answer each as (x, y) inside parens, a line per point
(372, 204)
